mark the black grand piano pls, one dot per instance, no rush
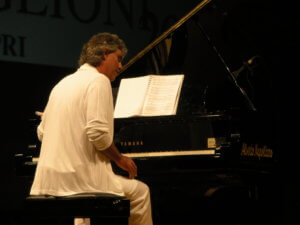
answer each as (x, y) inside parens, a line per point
(216, 160)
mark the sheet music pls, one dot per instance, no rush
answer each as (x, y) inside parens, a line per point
(151, 95)
(163, 94)
(131, 94)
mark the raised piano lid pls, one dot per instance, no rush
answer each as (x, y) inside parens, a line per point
(184, 49)
(188, 47)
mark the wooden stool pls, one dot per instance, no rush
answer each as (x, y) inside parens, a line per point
(102, 208)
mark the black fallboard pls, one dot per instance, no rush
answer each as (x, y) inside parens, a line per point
(171, 133)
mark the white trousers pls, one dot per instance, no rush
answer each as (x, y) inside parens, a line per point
(140, 203)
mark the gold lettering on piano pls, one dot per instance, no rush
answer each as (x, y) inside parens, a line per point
(211, 143)
(131, 143)
(256, 151)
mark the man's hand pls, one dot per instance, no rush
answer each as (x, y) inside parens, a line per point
(121, 161)
(128, 165)
(38, 113)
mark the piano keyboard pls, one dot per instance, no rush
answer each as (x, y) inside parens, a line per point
(208, 152)
(171, 153)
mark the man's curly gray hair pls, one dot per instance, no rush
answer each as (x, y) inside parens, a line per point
(100, 44)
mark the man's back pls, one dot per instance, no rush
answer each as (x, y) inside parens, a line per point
(68, 161)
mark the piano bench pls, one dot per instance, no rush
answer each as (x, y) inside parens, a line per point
(101, 208)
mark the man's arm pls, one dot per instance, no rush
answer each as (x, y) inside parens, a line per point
(122, 161)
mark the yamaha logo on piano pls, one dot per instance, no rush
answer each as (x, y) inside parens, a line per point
(131, 143)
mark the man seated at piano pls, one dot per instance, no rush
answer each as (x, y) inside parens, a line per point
(76, 134)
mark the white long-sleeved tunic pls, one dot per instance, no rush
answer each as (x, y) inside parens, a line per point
(77, 122)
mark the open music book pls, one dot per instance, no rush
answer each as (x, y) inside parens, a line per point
(151, 95)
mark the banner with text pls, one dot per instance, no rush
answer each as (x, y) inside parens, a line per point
(52, 32)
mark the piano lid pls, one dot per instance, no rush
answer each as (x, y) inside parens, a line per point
(187, 48)
(164, 37)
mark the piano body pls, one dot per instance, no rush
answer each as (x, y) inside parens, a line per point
(216, 160)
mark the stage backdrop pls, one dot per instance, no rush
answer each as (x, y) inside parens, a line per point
(51, 32)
